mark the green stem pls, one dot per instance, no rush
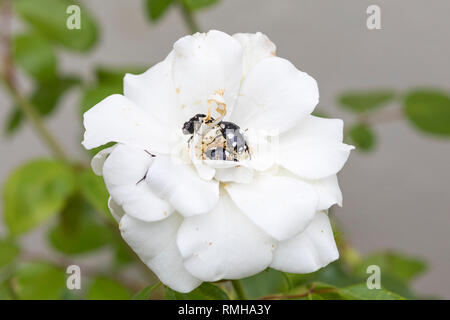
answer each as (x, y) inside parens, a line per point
(188, 17)
(8, 78)
(239, 289)
(30, 112)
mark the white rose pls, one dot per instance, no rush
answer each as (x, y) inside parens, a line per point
(197, 204)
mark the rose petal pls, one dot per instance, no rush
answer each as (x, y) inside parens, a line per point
(154, 92)
(116, 210)
(281, 206)
(223, 244)
(239, 174)
(118, 119)
(328, 191)
(98, 160)
(154, 243)
(256, 46)
(204, 63)
(124, 171)
(314, 149)
(308, 251)
(179, 183)
(275, 96)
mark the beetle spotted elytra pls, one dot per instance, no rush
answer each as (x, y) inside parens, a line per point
(221, 140)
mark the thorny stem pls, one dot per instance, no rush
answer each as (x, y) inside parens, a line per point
(239, 289)
(7, 75)
(188, 17)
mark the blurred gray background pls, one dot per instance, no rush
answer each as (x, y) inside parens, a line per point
(396, 197)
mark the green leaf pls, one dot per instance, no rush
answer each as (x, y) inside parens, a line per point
(39, 281)
(157, 8)
(320, 114)
(49, 18)
(362, 137)
(145, 293)
(93, 189)
(400, 266)
(361, 292)
(103, 288)
(206, 291)
(323, 291)
(429, 111)
(94, 95)
(35, 192)
(268, 282)
(45, 98)
(199, 4)
(35, 55)
(334, 274)
(8, 251)
(77, 231)
(361, 101)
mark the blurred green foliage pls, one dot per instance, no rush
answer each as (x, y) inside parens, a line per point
(103, 288)
(362, 137)
(361, 101)
(36, 56)
(206, 291)
(157, 8)
(39, 280)
(36, 192)
(72, 201)
(48, 18)
(429, 111)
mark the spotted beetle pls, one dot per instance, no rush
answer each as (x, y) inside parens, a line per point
(224, 140)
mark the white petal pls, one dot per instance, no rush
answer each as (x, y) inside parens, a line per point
(204, 63)
(238, 174)
(118, 119)
(256, 46)
(223, 244)
(178, 183)
(154, 243)
(124, 171)
(314, 149)
(310, 250)
(99, 159)
(328, 191)
(154, 92)
(116, 210)
(281, 206)
(275, 96)
(263, 149)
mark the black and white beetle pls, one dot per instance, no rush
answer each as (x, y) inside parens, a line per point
(222, 140)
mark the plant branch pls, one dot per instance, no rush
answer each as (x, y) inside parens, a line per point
(7, 75)
(239, 289)
(300, 295)
(380, 117)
